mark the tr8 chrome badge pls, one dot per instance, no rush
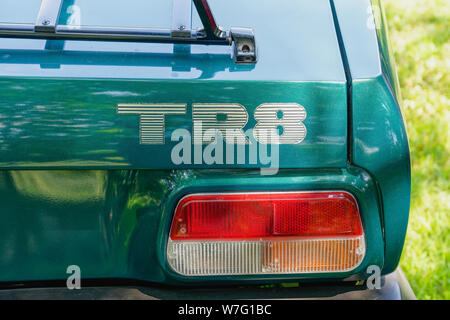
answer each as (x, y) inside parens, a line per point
(227, 118)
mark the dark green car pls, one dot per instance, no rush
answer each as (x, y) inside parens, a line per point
(148, 152)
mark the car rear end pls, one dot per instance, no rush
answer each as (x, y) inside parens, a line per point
(271, 162)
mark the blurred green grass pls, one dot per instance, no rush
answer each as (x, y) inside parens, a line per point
(420, 32)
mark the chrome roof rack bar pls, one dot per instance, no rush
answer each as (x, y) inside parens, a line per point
(47, 27)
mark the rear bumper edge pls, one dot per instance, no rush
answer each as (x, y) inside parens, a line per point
(394, 286)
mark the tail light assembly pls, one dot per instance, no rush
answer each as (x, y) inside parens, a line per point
(266, 233)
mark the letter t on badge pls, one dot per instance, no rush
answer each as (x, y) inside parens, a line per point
(152, 118)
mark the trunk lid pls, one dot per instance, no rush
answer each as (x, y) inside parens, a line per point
(59, 99)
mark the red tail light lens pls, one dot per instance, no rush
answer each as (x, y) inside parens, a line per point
(255, 216)
(266, 233)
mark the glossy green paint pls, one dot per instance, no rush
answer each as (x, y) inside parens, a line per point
(58, 111)
(114, 224)
(59, 99)
(74, 123)
(379, 142)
